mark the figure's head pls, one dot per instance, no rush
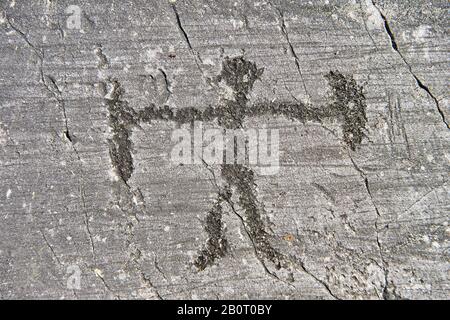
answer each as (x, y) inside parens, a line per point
(239, 74)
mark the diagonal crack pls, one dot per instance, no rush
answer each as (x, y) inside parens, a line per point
(167, 84)
(181, 28)
(297, 264)
(424, 196)
(158, 268)
(53, 88)
(38, 51)
(312, 275)
(99, 275)
(254, 245)
(136, 257)
(51, 84)
(52, 250)
(197, 58)
(419, 82)
(285, 32)
(384, 266)
(372, 39)
(86, 222)
(225, 195)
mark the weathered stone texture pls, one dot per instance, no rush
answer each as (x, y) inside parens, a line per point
(357, 89)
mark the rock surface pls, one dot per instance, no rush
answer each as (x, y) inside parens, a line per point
(91, 205)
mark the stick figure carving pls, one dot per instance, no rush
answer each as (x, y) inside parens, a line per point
(239, 191)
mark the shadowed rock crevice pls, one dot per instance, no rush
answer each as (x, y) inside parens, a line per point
(419, 82)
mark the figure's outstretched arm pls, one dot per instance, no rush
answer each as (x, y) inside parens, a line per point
(347, 104)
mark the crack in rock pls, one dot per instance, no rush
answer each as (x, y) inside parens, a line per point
(48, 81)
(285, 32)
(419, 82)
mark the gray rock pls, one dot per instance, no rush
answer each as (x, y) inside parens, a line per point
(92, 207)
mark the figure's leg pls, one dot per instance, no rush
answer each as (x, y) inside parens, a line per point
(241, 181)
(217, 244)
